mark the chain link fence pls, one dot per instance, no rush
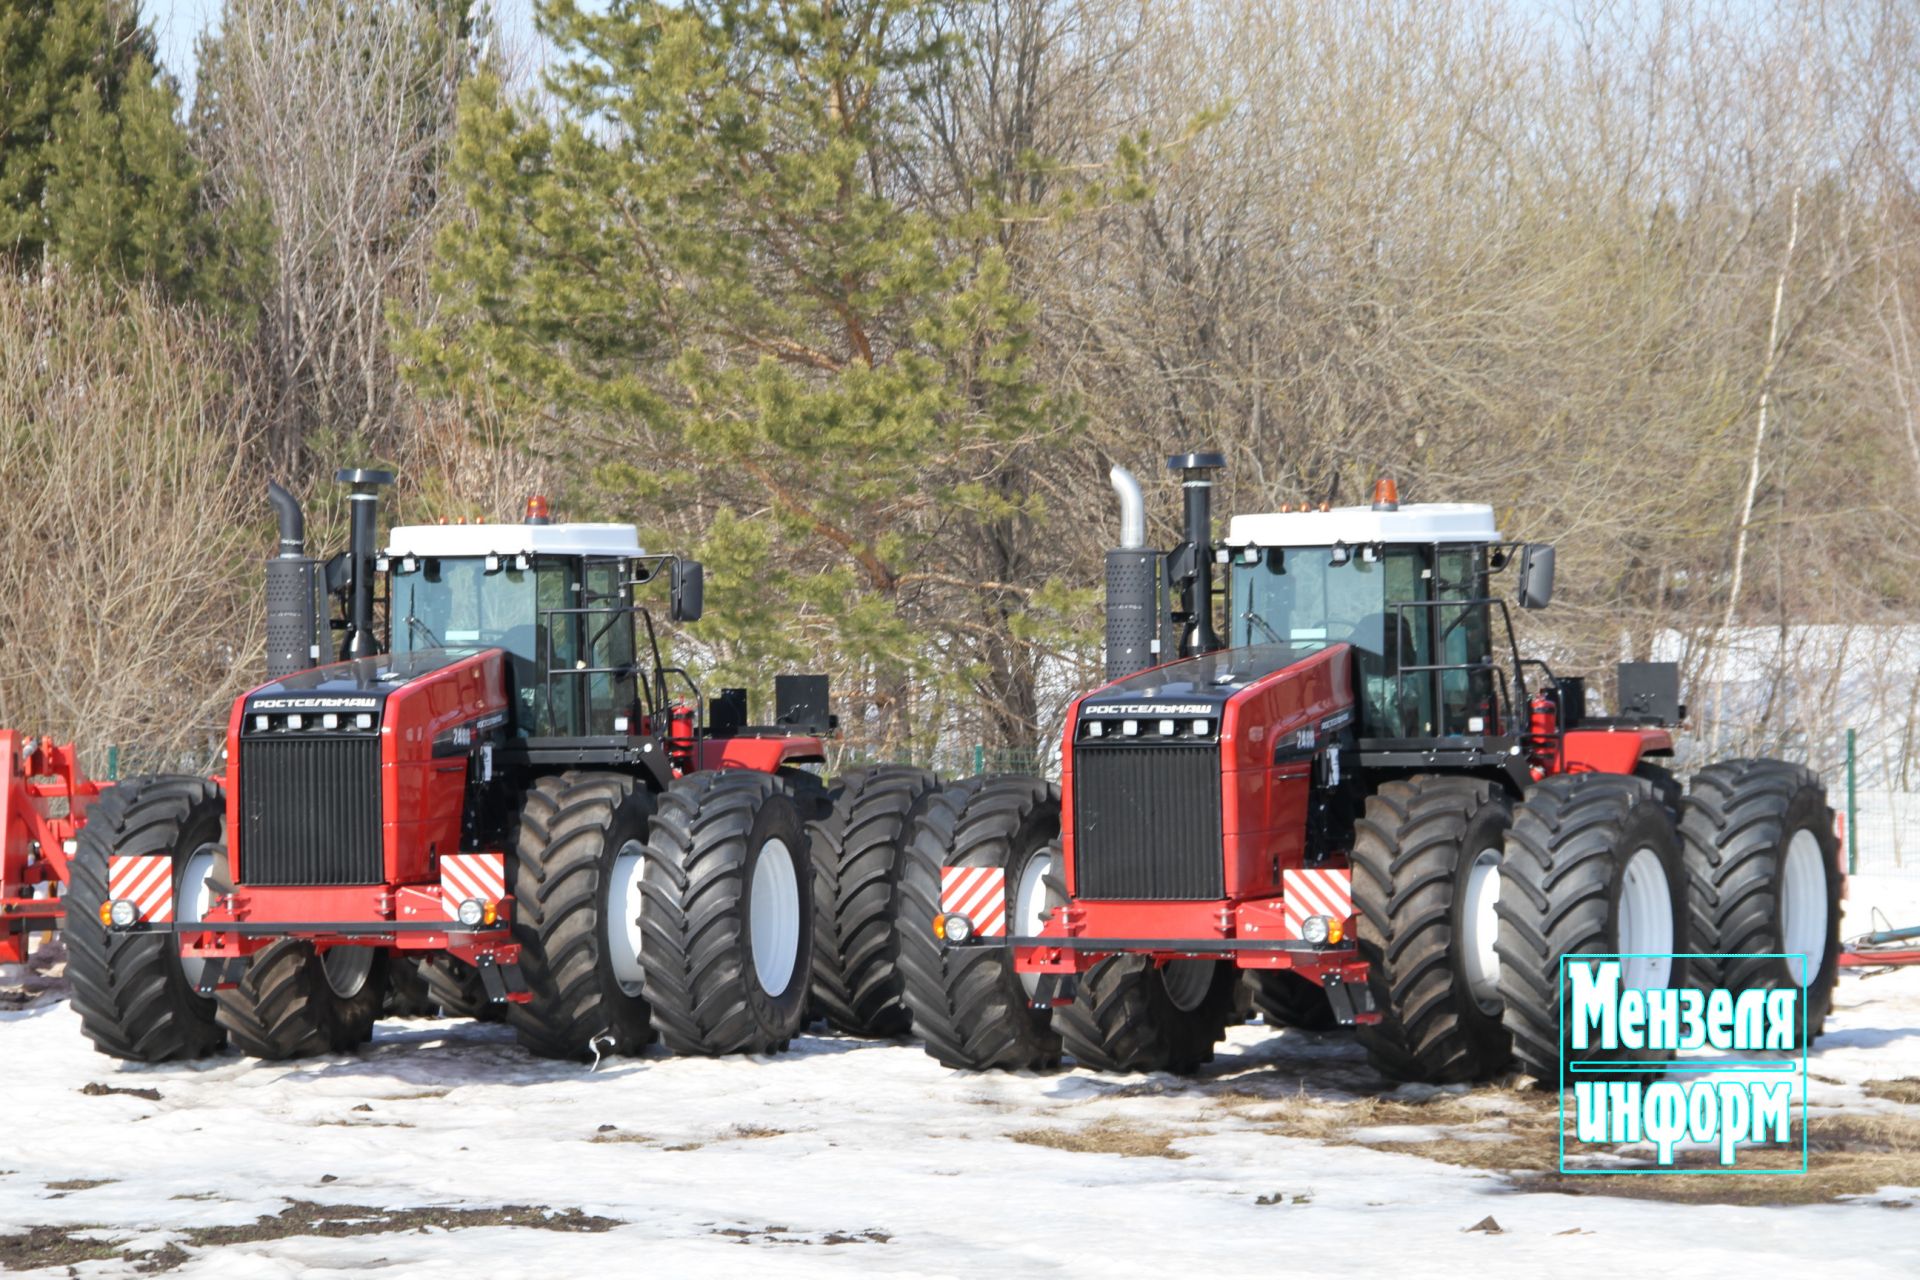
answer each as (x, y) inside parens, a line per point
(1878, 802)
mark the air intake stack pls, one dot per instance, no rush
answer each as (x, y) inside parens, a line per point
(365, 503)
(1190, 569)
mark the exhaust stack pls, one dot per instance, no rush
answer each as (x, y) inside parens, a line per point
(1193, 562)
(1133, 585)
(365, 501)
(295, 608)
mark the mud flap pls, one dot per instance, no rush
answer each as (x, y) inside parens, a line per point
(1351, 1002)
(502, 981)
(218, 973)
(1055, 988)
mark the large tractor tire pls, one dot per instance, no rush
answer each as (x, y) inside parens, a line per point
(1286, 999)
(438, 986)
(857, 843)
(1426, 874)
(970, 1006)
(576, 875)
(1764, 876)
(135, 997)
(727, 914)
(1133, 1015)
(295, 1002)
(1592, 867)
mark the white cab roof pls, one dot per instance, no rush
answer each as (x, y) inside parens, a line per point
(1417, 522)
(513, 539)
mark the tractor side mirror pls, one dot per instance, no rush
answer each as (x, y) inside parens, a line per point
(1536, 575)
(689, 591)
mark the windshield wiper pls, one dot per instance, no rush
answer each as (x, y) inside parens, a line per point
(414, 624)
(1263, 624)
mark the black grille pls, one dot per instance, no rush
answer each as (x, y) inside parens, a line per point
(310, 810)
(1146, 822)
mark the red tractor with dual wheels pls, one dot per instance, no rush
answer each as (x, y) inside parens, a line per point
(494, 797)
(1322, 765)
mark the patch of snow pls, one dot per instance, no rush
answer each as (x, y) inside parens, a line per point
(846, 1152)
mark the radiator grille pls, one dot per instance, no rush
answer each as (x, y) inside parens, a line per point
(1146, 822)
(310, 811)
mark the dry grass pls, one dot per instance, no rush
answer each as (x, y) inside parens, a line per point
(1517, 1133)
(47, 1247)
(755, 1131)
(1905, 1090)
(611, 1134)
(1106, 1137)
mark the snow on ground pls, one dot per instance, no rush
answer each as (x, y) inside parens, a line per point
(847, 1154)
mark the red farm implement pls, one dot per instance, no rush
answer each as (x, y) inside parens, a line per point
(44, 798)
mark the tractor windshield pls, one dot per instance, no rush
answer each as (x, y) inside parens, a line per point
(1386, 602)
(560, 615)
(453, 602)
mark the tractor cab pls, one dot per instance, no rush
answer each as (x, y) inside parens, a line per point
(558, 599)
(1406, 588)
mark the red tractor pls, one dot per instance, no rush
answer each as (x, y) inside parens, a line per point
(499, 800)
(1362, 798)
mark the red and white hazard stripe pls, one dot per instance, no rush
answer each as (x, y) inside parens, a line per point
(145, 880)
(979, 894)
(1314, 893)
(471, 875)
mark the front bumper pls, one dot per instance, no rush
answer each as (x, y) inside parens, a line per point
(407, 918)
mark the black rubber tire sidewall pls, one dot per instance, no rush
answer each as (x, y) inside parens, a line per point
(1809, 812)
(782, 1014)
(1648, 826)
(198, 1033)
(628, 1015)
(1491, 819)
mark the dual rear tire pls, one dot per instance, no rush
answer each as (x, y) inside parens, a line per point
(1585, 864)
(688, 915)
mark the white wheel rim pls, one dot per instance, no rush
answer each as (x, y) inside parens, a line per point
(1187, 982)
(347, 969)
(1480, 927)
(623, 918)
(195, 898)
(1803, 904)
(1643, 922)
(774, 909)
(1030, 907)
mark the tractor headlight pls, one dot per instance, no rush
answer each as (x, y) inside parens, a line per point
(124, 915)
(473, 913)
(1315, 929)
(958, 928)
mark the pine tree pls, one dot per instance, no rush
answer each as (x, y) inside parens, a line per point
(95, 169)
(707, 242)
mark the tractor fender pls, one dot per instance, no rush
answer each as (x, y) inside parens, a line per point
(1611, 750)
